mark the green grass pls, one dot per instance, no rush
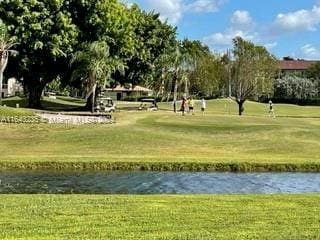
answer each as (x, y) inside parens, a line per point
(164, 138)
(15, 112)
(60, 103)
(229, 107)
(230, 217)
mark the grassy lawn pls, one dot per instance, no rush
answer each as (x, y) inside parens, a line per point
(15, 112)
(260, 217)
(220, 136)
(164, 137)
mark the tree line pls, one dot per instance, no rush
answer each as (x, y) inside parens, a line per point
(89, 45)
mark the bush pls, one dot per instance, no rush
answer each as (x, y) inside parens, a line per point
(302, 102)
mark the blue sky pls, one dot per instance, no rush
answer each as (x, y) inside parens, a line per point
(285, 27)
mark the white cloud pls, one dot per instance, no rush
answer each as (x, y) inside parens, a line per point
(270, 46)
(127, 3)
(225, 39)
(203, 6)
(174, 10)
(310, 52)
(241, 19)
(297, 21)
(171, 10)
(241, 25)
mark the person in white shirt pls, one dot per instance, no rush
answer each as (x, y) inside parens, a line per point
(271, 110)
(203, 105)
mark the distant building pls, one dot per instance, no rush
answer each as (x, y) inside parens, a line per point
(122, 92)
(11, 88)
(299, 66)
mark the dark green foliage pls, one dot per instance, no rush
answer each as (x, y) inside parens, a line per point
(48, 33)
(45, 37)
(168, 166)
(153, 39)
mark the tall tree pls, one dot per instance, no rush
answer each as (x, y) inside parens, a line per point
(6, 45)
(206, 76)
(107, 21)
(153, 38)
(45, 35)
(93, 67)
(187, 58)
(253, 71)
(202, 69)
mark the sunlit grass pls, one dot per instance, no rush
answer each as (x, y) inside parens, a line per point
(167, 137)
(160, 217)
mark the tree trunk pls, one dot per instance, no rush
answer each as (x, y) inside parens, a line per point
(1, 81)
(169, 90)
(175, 93)
(240, 105)
(35, 96)
(3, 65)
(91, 100)
(186, 86)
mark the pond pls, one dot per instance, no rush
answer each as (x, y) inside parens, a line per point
(119, 182)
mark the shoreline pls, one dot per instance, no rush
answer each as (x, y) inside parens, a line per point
(162, 167)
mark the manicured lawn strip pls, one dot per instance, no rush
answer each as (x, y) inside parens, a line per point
(160, 217)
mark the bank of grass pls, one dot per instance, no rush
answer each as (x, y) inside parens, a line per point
(230, 217)
(219, 140)
(15, 112)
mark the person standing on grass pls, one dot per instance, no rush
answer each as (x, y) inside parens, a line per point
(203, 105)
(191, 105)
(183, 105)
(271, 110)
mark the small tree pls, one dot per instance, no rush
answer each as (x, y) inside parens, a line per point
(5, 50)
(253, 71)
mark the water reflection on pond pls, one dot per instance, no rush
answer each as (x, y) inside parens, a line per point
(119, 182)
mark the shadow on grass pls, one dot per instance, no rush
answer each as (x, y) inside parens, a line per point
(12, 102)
(60, 104)
(77, 101)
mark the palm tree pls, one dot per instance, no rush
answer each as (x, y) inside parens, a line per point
(5, 50)
(94, 66)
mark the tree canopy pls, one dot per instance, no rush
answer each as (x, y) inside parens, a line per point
(45, 37)
(106, 42)
(49, 33)
(253, 71)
